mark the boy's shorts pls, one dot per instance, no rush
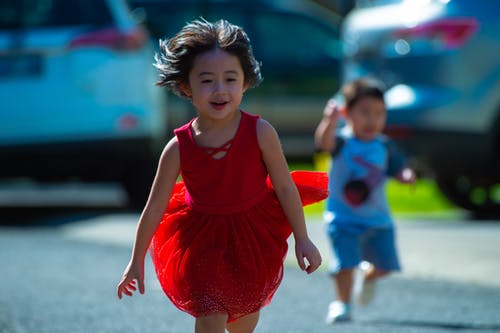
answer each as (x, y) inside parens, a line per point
(353, 245)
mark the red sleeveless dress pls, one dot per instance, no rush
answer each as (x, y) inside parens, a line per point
(222, 241)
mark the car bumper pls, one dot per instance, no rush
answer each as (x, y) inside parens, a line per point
(412, 121)
(103, 160)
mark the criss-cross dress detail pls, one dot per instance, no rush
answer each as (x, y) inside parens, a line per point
(222, 149)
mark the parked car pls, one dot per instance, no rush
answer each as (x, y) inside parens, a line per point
(77, 95)
(297, 42)
(440, 62)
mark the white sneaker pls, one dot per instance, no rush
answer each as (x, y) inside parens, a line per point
(338, 312)
(364, 291)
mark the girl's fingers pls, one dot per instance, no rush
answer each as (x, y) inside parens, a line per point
(301, 262)
(123, 287)
(311, 268)
(128, 287)
(314, 263)
(141, 286)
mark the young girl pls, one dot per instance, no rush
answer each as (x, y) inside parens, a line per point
(218, 248)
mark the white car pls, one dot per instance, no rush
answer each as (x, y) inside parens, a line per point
(77, 94)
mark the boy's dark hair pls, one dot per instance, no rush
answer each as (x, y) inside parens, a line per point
(364, 87)
(177, 54)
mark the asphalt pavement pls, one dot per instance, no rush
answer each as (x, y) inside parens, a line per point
(61, 277)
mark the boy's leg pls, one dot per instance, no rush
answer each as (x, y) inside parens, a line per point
(214, 323)
(346, 256)
(380, 255)
(343, 284)
(379, 249)
(244, 324)
(373, 273)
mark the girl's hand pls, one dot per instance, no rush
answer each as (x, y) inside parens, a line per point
(306, 249)
(134, 273)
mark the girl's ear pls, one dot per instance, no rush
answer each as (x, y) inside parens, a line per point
(245, 87)
(185, 89)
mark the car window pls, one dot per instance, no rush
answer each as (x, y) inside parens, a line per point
(161, 23)
(16, 14)
(375, 3)
(295, 37)
(299, 55)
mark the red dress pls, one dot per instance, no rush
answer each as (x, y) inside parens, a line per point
(221, 243)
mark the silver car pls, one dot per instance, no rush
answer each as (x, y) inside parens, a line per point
(440, 60)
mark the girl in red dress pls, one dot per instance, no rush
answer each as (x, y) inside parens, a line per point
(218, 247)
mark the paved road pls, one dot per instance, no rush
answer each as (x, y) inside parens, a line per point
(61, 277)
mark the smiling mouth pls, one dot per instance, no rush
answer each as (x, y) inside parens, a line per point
(218, 105)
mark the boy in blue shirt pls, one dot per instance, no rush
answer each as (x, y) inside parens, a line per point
(359, 223)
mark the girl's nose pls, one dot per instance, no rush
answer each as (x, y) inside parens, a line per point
(219, 87)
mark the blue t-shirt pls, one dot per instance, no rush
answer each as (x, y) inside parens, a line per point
(357, 178)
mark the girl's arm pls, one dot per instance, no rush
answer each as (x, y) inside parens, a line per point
(324, 136)
(287, 194)
(166, 176)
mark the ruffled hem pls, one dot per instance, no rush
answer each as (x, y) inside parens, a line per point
(226, 263)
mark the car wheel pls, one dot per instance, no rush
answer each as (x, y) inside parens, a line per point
(471, 194)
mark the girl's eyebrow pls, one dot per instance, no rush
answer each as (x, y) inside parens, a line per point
(231, 71)
(205, 73)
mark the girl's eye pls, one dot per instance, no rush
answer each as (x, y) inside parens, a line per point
(206, 81)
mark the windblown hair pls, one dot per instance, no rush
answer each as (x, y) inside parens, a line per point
(175, 60)
(364, 87)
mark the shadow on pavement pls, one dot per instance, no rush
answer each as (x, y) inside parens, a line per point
(52, 216)
(433, 324)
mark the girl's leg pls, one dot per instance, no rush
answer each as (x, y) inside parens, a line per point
(245, 324)
(214, 323)
(343, 285)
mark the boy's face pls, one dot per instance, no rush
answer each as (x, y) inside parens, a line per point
(216, 83)
(367, 117)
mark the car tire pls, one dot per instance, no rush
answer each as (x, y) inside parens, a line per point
(481, 198)
(137, 183)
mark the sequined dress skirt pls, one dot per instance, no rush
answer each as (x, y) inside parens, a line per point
(220, 263)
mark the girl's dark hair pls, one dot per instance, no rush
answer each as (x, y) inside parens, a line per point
(364, 87)
(175, 60)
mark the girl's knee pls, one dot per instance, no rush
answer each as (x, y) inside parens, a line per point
(214, 323)
(246, 324)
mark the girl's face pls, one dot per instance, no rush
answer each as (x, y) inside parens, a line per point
(367, 117)
(216, 84)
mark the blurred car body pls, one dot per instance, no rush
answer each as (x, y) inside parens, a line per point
(440, 61)
(77, 95)
(297, 42)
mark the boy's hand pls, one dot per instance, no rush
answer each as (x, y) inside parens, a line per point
(133, 274)
(306, 249)
(406, 176)
(331, 110)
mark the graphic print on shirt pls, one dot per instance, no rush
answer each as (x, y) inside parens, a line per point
(366, 177)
